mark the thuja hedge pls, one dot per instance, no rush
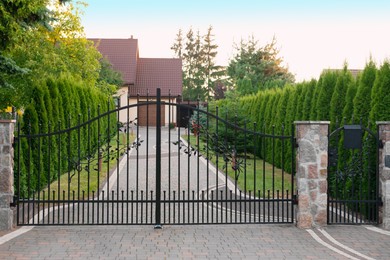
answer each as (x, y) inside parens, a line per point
(337, 97)
(57, 105)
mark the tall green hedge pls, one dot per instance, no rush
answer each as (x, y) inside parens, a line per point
(56, 105)
(336, 95)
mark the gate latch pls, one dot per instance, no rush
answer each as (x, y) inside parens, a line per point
(380, 202)
(295, 199)
(14, 202)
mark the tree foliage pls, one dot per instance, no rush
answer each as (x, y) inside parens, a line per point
(45, 43)
(201, 75)
(262, 66)
(16, 19)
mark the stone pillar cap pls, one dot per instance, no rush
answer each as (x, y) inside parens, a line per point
(382, 122)
(7, 121)
(312, 122)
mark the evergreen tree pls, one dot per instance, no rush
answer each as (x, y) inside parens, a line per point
(201, 75)
(308, 100)
(261, 65)
(316, 93)
(300, 98)
(349, 106)
(338, 99)
(362, 101)
(328, 83)
(380, 102)
(177, 46)
(213, 73)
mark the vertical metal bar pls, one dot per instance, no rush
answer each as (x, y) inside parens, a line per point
(117, 164)
(198, 149)
(254, 170)
(273, 172)
(245, 155)
(78, 167)
(89, 156)
(19, 175)
(184, 207)
(188, 163)
(137, 162)
(59, 168)
(98, 168)
(329, 204)
(147, 150)
(158, 160)
(127, 156)
(264, 141)
(63, 207)
(38, 187)
(169, 161)
(283, 172)
(69, 166)
(377, 198)
(216, 161)
(108, 159)
(207, 164)
(113, 206)
(178, 171)
(28, 174)
(83, 212)
(122, 216)
(226, 164)
(293, 170)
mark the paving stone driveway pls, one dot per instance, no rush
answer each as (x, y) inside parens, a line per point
(193, 242)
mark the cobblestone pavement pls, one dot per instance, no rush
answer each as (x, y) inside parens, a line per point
(196, 242)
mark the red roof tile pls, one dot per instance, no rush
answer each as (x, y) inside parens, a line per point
(122, 54)
(153, 73)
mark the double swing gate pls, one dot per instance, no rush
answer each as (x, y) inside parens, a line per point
(111, 170)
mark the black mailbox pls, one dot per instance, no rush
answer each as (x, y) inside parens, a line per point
(353, 136)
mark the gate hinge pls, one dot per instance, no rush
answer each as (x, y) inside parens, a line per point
(381, 144)
(296, 145)
(14, 201)
(295, 199)
(380, 202)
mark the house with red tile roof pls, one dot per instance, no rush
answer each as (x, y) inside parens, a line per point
(142, 76)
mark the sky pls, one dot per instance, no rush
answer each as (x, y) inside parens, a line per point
(311, 35)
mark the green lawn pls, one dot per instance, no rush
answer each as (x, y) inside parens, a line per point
(79, 181)
(254, 172)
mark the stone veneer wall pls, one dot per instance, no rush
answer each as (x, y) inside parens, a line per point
(312, 163)
(384, 173)
(6, 173)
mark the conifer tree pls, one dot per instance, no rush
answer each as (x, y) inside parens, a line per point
(299, 100)
(314, 98)
(338, 99)
(362, 101)
(349, 104)
(329, 79)
(308, 100)
(380, 102)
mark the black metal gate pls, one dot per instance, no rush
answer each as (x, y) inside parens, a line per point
(110, 170)
(353, 191)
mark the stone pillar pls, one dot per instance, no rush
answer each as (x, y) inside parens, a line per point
(384, 173)
(311, 173)
(6, 173)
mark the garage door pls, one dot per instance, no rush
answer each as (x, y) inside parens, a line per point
(144, 119)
